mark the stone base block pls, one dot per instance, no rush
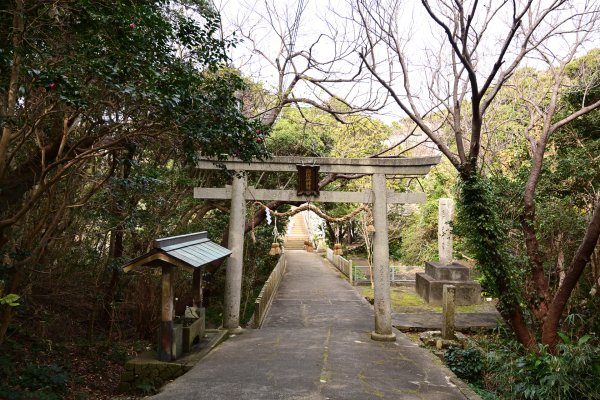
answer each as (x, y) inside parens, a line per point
(434, 339)
(467, 292)
(145, 372)
(382, 337)
(451, 272)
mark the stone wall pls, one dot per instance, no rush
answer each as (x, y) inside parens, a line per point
(147, 372)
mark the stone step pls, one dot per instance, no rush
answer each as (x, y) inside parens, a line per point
(298, 235)
(294, 246)
(298, 228)
(295, 242)
(288, 242)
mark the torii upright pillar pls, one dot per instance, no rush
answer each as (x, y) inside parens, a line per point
(381, 263)
(378, 167)
(235, 263)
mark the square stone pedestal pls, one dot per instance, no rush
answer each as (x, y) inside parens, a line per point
(429, 284)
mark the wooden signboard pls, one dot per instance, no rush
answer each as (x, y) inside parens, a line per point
(308, 180)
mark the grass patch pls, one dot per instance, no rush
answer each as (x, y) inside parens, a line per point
(405, 300)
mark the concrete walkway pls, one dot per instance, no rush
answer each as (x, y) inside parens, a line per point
(315, 344)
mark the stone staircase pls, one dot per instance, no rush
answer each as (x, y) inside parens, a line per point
(295, 239)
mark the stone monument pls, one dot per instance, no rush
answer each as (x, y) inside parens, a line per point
(429, 284)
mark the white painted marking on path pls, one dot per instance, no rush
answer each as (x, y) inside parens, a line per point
(449, 382)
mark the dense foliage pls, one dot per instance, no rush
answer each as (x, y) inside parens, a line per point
(105, 106)
(499, 368)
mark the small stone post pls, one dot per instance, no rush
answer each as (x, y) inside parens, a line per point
(351, 274)
(235, 264)
(381, 263)
(448, 293)
(445, 214)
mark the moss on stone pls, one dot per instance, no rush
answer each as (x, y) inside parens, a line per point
(148, 371)
(405, 300)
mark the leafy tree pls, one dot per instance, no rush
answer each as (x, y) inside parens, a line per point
(359, 137)
(535, 235)
(302, 132)
(457, 84)
(82, 85)
(419, 229)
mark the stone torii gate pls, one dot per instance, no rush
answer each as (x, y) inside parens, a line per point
(378, 168)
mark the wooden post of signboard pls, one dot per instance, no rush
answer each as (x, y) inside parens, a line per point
(197, 288)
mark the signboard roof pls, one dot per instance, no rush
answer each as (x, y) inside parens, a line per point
(186, 251)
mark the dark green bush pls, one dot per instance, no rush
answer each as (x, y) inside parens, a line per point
(47, 378)
(118, 354)
(9, 394)
(465, 363)
(38, 382)
(572, 373)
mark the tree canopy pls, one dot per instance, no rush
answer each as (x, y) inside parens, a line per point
(88, 88)
(105, 106)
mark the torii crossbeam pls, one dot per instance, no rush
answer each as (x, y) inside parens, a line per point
(239, 193)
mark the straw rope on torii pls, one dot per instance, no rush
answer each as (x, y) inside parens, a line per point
(239, 193)
(318, 211)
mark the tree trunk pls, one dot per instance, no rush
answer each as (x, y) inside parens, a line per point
(560, 258)
(118, 236)
(11, 90)
(109, 293)
(578, 263)
(522, 331)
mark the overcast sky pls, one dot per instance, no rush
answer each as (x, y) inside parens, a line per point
(263, 20)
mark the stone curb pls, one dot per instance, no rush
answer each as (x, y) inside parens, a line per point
(160, 373)
(214, 342)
